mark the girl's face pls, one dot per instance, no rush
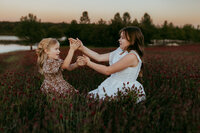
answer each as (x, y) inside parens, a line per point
(124, 43)
(54, 51)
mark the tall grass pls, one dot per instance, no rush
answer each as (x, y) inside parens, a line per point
(171, 81)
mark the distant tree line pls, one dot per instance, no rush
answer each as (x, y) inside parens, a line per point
(101, 33)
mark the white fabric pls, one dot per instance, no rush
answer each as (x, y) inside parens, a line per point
(125, 78)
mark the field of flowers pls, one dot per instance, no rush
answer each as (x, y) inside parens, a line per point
(171, 81)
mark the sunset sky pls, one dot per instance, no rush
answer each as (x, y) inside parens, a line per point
(179, 12)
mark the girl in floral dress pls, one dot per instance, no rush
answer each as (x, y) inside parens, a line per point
(51, 66)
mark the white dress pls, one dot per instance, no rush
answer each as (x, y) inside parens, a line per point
(125, 78)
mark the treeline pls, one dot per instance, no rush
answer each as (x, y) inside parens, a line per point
(101, 33)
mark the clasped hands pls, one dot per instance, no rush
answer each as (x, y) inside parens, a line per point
(76, 44)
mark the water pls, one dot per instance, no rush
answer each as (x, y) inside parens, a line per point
(9, 38)
(4, 48)
(13, 47)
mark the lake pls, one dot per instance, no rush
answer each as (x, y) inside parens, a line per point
(4, 48)
(13, 47)
(9, 38)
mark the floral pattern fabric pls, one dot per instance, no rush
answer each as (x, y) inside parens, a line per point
(53, 78)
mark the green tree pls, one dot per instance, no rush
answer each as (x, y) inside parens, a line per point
(30, 29)
(114, 27)
(135, 22)
(54, 31)
(73, 22)
(85, 18)
(117, 19)
(165, 30)
(73, 30)
(126, 18)
(188, 30)
(147, 27)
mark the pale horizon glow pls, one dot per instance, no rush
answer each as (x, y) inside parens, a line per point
(179, 12)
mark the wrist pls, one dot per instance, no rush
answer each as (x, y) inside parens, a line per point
(81, 48)
(71, 50)
(88, 63)
(76, 64)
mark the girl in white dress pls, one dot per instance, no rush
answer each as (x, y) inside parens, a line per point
(125, 64)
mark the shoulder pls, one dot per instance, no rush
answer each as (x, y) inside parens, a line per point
(52, 65)
(53, 62)
(136, 55)
(131, 58)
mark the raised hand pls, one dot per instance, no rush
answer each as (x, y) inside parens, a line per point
(74, 44)
(81, 44)
(80, 61)
(72, 40)
(86, 59)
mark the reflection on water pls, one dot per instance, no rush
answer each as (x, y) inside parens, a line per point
(14, 47)
(9, 38)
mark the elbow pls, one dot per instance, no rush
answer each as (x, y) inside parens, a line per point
(107, 73)
(67, 67)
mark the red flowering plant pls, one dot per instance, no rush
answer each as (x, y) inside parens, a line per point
(170, 80)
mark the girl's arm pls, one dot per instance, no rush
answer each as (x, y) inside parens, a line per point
(72, 66)
(66, 64)
(92, 54)
(130, 60)
(79, 62)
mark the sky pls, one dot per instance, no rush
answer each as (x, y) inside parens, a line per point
(179, 12)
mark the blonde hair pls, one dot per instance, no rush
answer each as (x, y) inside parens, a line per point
(45, 44)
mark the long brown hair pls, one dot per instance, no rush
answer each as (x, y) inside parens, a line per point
(134, 35)
(45, 44)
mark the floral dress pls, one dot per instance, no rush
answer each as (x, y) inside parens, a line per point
(53, 78)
